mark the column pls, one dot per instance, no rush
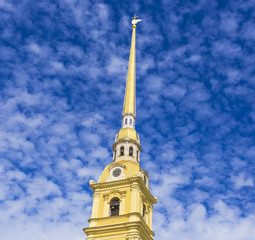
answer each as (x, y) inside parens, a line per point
(106, 206)
(150, 209)
(122, 204)
(146, 216)
(135, 199)
(141, 208)
(96, 197)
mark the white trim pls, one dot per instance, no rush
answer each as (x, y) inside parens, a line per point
(128, 121)
(112, 168)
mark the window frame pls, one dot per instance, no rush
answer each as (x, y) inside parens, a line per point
(115, 207)
(122, 151)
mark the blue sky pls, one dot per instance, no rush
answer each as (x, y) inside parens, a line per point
(63, 68)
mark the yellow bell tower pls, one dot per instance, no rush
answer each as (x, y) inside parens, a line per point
(122, 201)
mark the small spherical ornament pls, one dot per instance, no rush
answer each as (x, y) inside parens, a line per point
(116, 172)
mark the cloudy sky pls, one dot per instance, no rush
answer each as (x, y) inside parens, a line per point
(63, 68)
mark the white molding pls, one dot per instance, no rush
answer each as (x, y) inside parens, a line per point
(120, 177)
(128, 121)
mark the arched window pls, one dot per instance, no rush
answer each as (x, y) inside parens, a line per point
(126, 121)
(131, 151)
(115, 206)
(130, 121)
(121, 151)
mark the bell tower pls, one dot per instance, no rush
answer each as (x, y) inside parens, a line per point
(122, 201)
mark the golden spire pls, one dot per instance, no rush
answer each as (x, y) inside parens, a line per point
(127, 130)
(129, 100)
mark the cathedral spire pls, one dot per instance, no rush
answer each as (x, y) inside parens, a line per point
(129, 100)
(122, 201)
(127, 130)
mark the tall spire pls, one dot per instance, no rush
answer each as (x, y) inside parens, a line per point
(127, 130)
(129, 100)
(122, 201)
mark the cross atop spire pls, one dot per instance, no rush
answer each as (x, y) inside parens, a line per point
(135, 20)
(135, 16)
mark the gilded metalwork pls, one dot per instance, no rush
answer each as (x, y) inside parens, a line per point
(128, 133)
(135, 20)
(129, 100)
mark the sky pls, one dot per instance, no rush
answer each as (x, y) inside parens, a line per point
(63, 69)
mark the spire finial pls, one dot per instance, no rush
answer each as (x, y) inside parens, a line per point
(135, 20)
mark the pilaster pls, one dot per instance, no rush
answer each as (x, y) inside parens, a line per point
(150, 216)
(106, 206)
(123, 204)
(96, 197)
(135, 198)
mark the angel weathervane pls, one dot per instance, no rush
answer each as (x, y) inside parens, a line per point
(135, 20)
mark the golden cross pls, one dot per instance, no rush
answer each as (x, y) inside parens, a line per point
(135, 17)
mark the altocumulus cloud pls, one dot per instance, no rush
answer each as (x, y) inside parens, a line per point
(63, 67)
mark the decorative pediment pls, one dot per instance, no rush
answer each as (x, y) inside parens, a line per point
(115, 193)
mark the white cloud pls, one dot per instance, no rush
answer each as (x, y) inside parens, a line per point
(117, 65)
(63, 71)
(33, 47)
(174, 91)
(40, 188)
(242, 181)
(248, 31)
(58, 66)
(224, 224)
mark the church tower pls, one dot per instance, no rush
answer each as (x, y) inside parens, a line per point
(122, 201)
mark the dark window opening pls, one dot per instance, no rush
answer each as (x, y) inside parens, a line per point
(144, 209)
(131, 151)
(115, 206)
(137, 155)
(130, 121)
(125, 121)
(121, 150)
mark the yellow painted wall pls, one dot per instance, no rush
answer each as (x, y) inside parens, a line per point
(131, 169)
